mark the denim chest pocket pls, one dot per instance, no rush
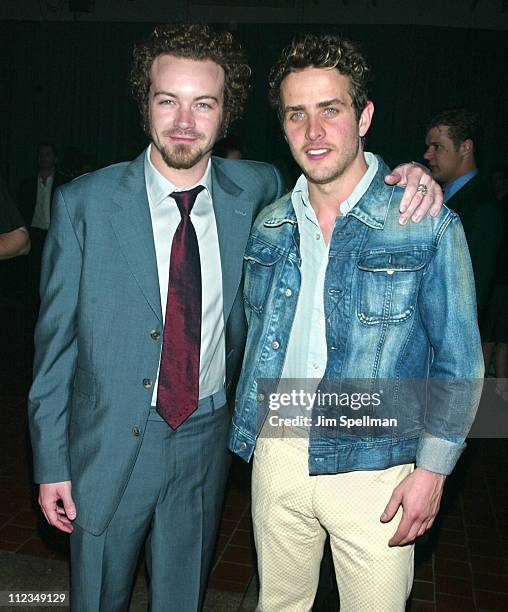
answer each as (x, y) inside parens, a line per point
(259, 269)
(388, 285)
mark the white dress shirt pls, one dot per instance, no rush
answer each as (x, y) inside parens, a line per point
(165, 219)
(306, 355)
(41, 215)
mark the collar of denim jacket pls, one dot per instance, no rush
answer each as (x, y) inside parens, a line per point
(372, 208)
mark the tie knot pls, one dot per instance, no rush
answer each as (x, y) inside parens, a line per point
(185, 199)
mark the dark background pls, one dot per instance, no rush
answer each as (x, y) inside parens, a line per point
(63, 78)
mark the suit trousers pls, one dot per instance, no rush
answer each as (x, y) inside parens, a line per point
(292, 512)
(172, 502)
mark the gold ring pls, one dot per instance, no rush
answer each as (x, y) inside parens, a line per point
(423, 189)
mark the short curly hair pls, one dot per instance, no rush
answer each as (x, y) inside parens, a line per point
(323, 51)
(197, 42)
(462, 124)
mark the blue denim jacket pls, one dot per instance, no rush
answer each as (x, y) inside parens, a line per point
(400, 306)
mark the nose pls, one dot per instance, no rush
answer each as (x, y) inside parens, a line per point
(184, 118)
(428, 154)
(315, 130)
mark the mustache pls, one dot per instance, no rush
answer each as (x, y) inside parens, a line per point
(175, 133)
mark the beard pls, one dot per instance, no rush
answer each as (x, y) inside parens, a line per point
(181, 156)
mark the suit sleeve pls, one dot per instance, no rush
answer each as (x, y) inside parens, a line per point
(280, 189)
(484, 249)
(49, 403)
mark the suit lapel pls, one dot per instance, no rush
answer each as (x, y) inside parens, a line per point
(233, 214)
(132, 225)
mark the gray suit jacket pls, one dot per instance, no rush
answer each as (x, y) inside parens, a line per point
(88, 405)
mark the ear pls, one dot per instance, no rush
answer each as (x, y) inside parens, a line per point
(365, 119)
(467, 147)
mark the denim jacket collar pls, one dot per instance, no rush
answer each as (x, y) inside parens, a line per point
(371, 209)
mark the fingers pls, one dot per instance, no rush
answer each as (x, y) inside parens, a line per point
(393, 178)
(415, 204)
(405, 528)
(391, 508)
(411, 527)
(57, 505)
(438, 201)
(68, 504)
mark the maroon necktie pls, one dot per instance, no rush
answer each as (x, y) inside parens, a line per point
(178, 391)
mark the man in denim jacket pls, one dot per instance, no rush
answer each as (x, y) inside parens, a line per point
(340, 297)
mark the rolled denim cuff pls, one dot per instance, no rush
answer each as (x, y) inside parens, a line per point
(437, 454)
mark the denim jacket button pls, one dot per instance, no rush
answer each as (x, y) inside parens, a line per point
(243, 445)
(260, 397)
(275, 345)
(288, 292)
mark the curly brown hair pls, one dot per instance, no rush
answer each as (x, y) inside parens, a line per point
(323, 51)
(197, 42)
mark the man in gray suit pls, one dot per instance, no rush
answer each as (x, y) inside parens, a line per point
(117, 464)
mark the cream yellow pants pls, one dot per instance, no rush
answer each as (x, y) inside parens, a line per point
(292, 512)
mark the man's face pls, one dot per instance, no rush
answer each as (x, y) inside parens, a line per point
(186, 110)
(46, 158)
(443, 157)
(320, 124)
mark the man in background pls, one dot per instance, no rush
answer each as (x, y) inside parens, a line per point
(452, 140)
(35, 198)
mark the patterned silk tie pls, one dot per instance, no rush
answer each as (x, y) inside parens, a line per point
(178, 391)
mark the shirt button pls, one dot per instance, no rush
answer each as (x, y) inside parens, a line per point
(315, 365)
(155, 334)
(275, 345)
(147, 383)
(318, 236)
(136, 431)
(243, 445)
(260, 397)
(288, 293)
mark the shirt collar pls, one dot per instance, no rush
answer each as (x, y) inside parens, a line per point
(159, 187)
(452, 187)
(362, 185)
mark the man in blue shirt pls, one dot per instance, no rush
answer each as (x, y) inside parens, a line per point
(452, 147)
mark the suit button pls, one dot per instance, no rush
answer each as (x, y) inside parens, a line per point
(147, 383)
(155, 334)
(243, 445)
(136, 431)
(275, 345)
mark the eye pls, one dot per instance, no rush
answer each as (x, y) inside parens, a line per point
(296, 116)
(203, 106)
(330, 111)
(166, 102)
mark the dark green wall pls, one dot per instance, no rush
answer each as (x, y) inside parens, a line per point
(66, 82)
